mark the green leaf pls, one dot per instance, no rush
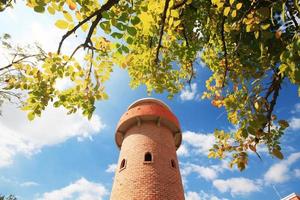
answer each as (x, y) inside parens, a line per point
(135, 20)
(120, 26)
(131, 30)
(125, 49)
(123, 17)
(129, 40)
(105, 15)
(56, 104)
(39, 9)
(277, 153)
(62, 24)
(117, 35)
(105, 26)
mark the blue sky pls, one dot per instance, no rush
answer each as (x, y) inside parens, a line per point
(68, 157)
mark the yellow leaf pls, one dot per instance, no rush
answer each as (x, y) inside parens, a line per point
(226, 11)
(175, 13)
(78, 16)
(176, 23)
(256, 105)
(51, 10)
(226, 28)
(239, 6)
(231, 2)
(215, 2)
(233, 14)
(84, 27)
(265, 26)
(256, 34)
(211, 154)
(171, 20)
(62, 24)
(220, 5)
(67, 16)
(147, 20)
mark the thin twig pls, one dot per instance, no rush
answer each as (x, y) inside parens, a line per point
(17, 61)
(161, 33)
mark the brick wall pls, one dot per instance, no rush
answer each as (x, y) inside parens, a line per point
(156, 180)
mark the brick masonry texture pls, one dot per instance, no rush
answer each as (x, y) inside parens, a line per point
(156, 180)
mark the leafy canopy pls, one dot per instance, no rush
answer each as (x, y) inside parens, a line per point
(251, 47)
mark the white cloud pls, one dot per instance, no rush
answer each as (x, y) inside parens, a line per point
(18, 135)
(62, 84)
(295, 123)
(237, 186)
(182, 150)
(189, 93)
(297, 172)
(192, 196)
(82, 189)
(224, 165)
(111, 168)
(280, 172)
(296, 108)
(208, 173)
(199, 141)
(29, 184)
(201, 196)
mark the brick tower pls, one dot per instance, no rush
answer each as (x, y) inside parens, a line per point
(148, 135)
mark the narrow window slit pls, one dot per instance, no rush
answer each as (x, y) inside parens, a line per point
(173, 164)
(148, 157)
(123, 163)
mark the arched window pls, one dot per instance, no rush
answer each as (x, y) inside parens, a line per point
(123, 164)
(148, 157)
(173, 164)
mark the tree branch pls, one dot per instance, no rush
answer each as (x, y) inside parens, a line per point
(161, 33)
(274, 87)
(292, 16)
(225, 51)
(17, 61)
(191, 63)
(179, 4)
(98, 13)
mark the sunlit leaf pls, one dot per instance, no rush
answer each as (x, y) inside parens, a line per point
(62, 24)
